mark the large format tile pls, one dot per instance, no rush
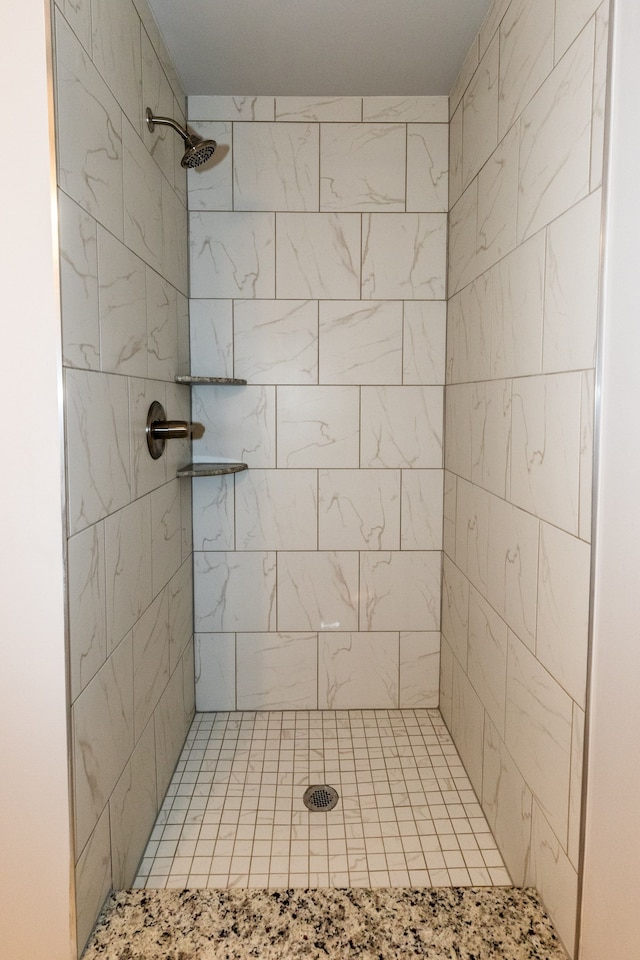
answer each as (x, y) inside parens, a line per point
(404, 256)
(211, 333)
(276, 510)
(480, 116)
(421, 527)
(526, 55)
(513, 567)
(405, 109)
(123, 314)
(93, 878)
(163, 329)
(507, 803)
(401, 426)
(318, 426)
(222, 582)
(128, 567)
(133, 806)
(79, 285)
(400, 590)
(318, 591)
(210, 187)
(99, 473)
(552, 873)
(143, 223)
(276, 341)
(487, 660)
(87, 606)
(360, 342)
(362, 166)
(424, 341)
(358, 670)
(419, 669)
(213, 501)
(166, 534)
(467, 725)
(277, 671)
(232, 254)
(239, 424)
(427, 167)
(275, 166)
(359, 510)
(117, 53)
(318, 255)
(215, 671)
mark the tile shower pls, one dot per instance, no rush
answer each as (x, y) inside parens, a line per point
(319, 274)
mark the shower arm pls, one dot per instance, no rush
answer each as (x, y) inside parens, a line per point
(151, 122)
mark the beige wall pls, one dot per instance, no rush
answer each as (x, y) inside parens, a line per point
(123, 243)
(526, 167)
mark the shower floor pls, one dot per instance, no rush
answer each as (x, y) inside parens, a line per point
(407, 815)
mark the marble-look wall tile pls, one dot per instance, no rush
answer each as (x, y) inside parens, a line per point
(463, 220)
(318, 255)
(79, 285)
(89, 129)
(150, 659)
(117, 53)
(215, 671)
(552, 874)
(465, 74)
(318, 426)
(276, 341)
(498, 203)
(157, 96)
(188, 667)
(275, 166)
(507, 804)
(459, 418)
(492, 21)
(210, 187)
(133, 806)
(87, 606)
(162, 327)
(170, 733)
(276, 510)
(239, 424)
(180, 593)
(128, 567)
(213, 504)
(449, 514)
(277, 671)
(487, 660)
(166, 534)
(123, 311)
(98, 469)
(599, 95)
(405, 109)
(103, 738)
(391, 438)
(400, 589)
(419, 669)
(427, 167)
(576, 785)
(359, 510)
(231, 108)
(421, 527)
(424, 341)
(360, 342)
(455, 157)
(232, 254)
(555, 140)
(175, 241)
(446, 682)
(363, 166)
(455, 610)
(470, 319)
(142, 179)
(491, 435)
(526, 56)
(480, 115)
(467, 726)
(211, 333)
(318, 591)
(571, 287)
(472, 534)
(571, 17)
(78, 15)
(316, 109)
(404, 256)
(223, 581)
(538, 732)
(586, 453)
(546, 447)
(563, 609)
(93, 877)
(513, 567)
(517, 299)
(358, 670)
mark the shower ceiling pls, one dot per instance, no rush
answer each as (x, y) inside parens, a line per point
(319, 47)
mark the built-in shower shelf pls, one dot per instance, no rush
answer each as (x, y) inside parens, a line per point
(212, 469)
(219, 381)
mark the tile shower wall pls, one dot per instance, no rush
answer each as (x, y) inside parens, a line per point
(318, 272)
(123, 239)
(526, 169)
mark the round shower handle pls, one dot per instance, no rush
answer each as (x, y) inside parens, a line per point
(159, 429)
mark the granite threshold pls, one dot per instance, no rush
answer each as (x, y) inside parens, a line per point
(431, 923)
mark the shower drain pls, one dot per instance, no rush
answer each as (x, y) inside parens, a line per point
(320, 798)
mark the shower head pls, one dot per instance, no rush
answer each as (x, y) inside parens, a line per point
(198, 150)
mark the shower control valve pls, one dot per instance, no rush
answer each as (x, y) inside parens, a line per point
(159, 429)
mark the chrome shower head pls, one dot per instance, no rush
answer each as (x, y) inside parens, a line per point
(198, 150)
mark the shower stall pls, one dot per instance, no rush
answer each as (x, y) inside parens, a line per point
(409, 286)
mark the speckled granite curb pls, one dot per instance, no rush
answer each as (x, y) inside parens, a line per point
(446, 923)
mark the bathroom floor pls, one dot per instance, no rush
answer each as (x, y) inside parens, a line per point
(234, 816)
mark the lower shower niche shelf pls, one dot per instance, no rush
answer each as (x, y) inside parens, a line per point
(211, 469)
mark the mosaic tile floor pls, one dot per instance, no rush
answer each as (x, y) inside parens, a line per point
(407, 814)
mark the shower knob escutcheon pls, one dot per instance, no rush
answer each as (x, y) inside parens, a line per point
(159, 429)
